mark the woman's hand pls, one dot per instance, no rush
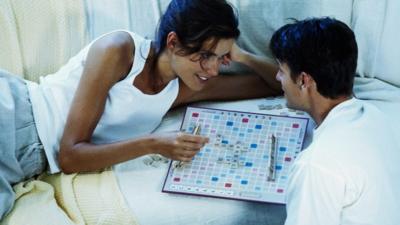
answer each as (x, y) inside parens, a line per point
(178, 145)
(236, 54)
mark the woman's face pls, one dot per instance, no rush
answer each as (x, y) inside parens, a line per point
(196, 69)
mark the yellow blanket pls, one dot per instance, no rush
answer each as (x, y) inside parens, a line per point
(37, 37)
(92, 198)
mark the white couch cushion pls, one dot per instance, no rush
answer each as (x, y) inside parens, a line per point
(258, 19)
(377, 37)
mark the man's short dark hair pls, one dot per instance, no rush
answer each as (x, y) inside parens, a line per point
(325, 48)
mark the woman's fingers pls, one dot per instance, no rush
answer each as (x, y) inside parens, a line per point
(186, 157)
(193, 138)
(192, 146)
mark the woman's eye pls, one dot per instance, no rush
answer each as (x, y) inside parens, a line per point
(205, 55)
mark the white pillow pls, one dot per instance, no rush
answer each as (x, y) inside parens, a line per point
(259, 19)
(377, 37)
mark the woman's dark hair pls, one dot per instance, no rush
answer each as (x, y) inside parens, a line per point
(196, 21)
(325, 48)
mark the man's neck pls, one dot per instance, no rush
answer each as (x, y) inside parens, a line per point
(321, 106)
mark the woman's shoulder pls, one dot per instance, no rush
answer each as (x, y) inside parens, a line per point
(121, 41)
(112, 54)
(125, 44)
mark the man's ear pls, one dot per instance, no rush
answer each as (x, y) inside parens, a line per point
(172, 40)
(305, 80)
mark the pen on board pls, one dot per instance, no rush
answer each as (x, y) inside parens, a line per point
(196, 131)
(272, 158)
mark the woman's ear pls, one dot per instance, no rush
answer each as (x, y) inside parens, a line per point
(172, 40)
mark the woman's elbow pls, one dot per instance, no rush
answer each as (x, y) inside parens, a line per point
(66, 160)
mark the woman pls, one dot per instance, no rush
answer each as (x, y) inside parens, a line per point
(100, 108)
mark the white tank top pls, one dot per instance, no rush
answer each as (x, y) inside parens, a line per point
(128, 112)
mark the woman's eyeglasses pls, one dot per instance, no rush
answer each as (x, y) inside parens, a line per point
(207, 58)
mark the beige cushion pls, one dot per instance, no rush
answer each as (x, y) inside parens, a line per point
(75, 199)
(39, 36)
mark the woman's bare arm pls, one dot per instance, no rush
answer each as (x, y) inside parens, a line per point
(109, 60)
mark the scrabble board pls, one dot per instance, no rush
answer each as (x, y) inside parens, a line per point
(241, 160)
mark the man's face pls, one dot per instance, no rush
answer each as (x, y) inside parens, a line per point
(292, 90)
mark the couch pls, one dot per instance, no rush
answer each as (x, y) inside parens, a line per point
(38, 37)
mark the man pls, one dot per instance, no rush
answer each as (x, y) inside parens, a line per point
(350, 173)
